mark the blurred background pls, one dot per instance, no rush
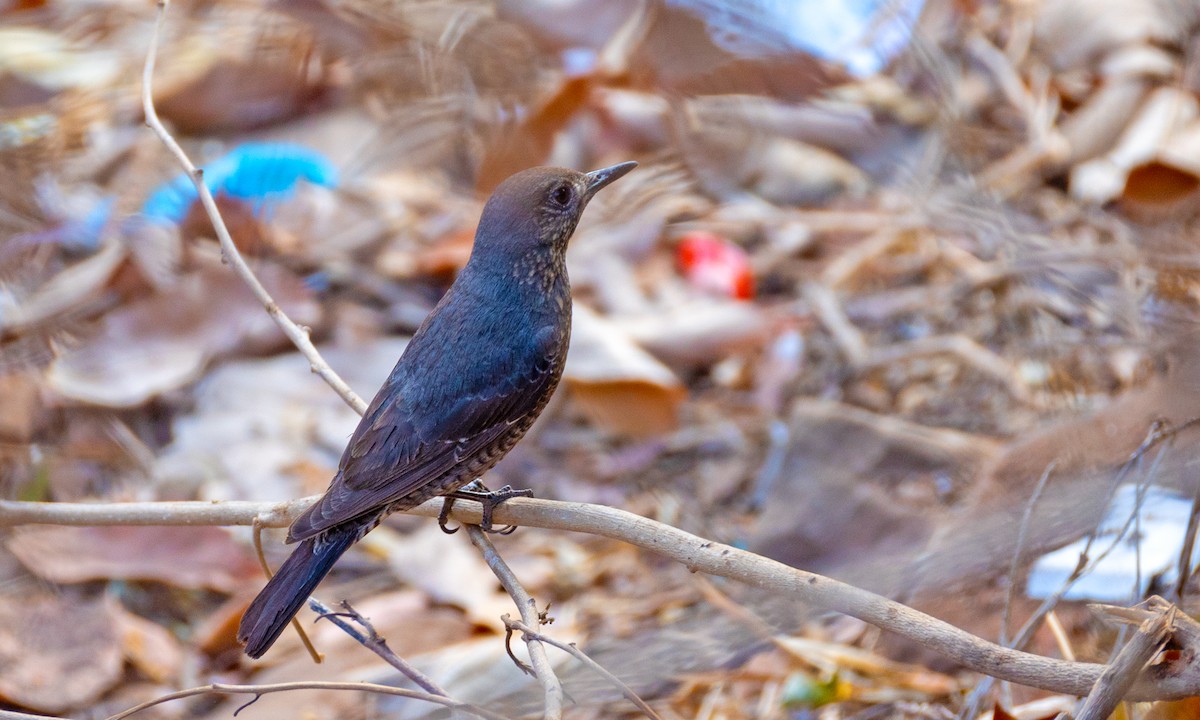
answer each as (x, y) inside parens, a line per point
(895, 293)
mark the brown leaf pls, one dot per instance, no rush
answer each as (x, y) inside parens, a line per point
(701, 332)
(217, 633)
(58, 653)
(251, 79)
(20, 411)
(998, 713)
(201, 557)
(164, 341)
(620, 386)
(450, 573)
(1175, 710)
(149, 647)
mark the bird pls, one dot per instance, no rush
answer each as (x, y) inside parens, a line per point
(468, 385)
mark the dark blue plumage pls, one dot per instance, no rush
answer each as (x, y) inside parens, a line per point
(469, 384)
(311, 561)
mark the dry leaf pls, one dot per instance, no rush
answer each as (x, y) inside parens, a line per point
(1175, 710)
(48, 59)
(58, 653)
(217, 633)
(20, 411)
(259, 428)
(186, 557)
(1075, 32)
(1104, 178)
(449, 572)
(620, 386)
(65, 291)
(701, 332)
(149, 647)
(255, 73)
(164, 341)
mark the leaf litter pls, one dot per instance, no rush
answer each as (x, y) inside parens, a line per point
(935, 263)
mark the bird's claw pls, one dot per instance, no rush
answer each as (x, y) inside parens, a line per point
(444, 515)
(489, 499)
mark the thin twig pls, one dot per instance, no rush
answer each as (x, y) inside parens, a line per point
(826, 307)
(1060, 635)
(972, 707)
(573, 650)
(298, 335)
(696, 553)
(1018, 551)
(374, 642)
(258, 690)
(529, 615)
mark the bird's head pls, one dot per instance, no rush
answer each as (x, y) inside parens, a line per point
(534, 212)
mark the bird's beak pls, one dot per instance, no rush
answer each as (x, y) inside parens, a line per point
(599, 178)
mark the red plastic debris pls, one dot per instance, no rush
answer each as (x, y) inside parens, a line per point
(714, 264)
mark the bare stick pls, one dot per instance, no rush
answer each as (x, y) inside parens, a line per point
(1184, 567)
(697, 554)
(259, 690)
(975, 699)
(295, 333)
(14, 715)
(529, 614)
(1125, 668)
(374, 642)
(193, 512)
(1060, 635)
(1022, 536)
(575, 652)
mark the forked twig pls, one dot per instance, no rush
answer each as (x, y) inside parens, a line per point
(542, 668)
(374, 642)
(573, 650)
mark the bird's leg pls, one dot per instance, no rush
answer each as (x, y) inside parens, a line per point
(489, 499)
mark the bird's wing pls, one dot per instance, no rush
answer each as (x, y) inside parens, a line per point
(404, 444)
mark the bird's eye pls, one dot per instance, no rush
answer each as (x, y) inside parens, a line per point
(561, 195)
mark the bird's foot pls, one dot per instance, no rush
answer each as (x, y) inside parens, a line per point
(489, 499)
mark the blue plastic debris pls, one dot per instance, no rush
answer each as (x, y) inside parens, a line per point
(1139, 539)
(258, 173)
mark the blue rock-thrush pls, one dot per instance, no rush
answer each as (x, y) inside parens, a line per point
(467, 387)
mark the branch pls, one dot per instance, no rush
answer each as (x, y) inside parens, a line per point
(1110, 689)
(698, 554)
(373, 641)
(259, 690)
(229, 252)
(572, 650)
(542, 669)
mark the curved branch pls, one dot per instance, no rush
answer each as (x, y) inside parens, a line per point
(298, 335)
(542, 669)
(697, 553)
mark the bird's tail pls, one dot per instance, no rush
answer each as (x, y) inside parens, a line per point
(290, 587)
